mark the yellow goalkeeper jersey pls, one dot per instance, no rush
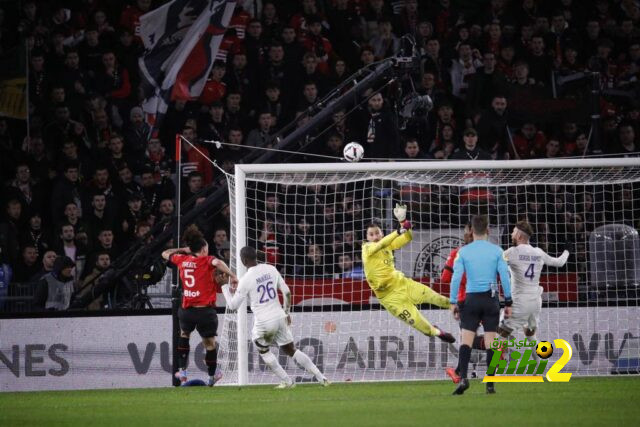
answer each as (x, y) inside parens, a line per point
(378, 262)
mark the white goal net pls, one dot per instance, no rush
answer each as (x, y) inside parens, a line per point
(310, 222)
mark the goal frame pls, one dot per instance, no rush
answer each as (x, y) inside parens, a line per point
(239, 220)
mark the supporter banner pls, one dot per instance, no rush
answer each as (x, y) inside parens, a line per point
(122, 352)
(13, 98)
(181, 40)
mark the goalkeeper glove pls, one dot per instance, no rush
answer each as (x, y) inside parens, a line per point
(404, 226)
(400, 212)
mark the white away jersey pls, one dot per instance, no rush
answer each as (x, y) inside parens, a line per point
(261, 284)
(525, 264)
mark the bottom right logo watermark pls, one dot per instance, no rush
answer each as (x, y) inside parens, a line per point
(523, 366)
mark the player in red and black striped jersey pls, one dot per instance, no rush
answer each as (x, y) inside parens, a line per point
(445, 278)
(196, 269)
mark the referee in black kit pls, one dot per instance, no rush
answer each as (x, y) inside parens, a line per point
(481, 260)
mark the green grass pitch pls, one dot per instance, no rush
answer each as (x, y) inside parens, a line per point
(582, 401)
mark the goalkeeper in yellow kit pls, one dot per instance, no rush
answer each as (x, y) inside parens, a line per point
(396, 292)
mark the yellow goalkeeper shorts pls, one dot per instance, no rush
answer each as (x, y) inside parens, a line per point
(401, 302)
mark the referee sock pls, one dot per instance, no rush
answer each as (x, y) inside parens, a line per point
(271, 361)
(303, 360)
(478, 342)
(211, 360)
(489, 358)
(183, 352)
(464, 356)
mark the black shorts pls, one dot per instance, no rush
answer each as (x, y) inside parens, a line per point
(204, 319)
(480, 307)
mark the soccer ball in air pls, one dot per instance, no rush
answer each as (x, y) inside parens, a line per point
(353, 152)
(544, 349)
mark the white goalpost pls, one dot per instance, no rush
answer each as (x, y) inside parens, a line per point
(310, 220)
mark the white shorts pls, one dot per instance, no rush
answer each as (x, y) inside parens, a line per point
(525, 312)
(272, 332)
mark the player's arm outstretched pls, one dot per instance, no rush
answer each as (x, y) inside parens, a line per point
(222, 266)
(234, 300)
(555, 262)
(396, 239)
(166, 254)
(404, 227)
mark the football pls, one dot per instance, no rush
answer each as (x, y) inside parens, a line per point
(544, 349)
(353, 152)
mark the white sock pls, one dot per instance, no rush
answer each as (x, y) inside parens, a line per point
(271, 361)
(303, 360)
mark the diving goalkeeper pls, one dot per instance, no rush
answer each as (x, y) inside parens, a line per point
(398, 294)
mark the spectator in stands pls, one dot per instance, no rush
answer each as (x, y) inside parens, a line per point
(411, 149)
(582, 145)
(192, 159)
(165, 210)
(219, 240)
(385, 44)
(25, 189)
(102, 262)
(195, 186)
(72, 217)
(134, 213)
(215, 88)
(314, 42)
(445, 143)
(127, 184)
(261, 137)
(627, 145)
(552, 149)
(540, 63)
(137, 133)
(492, 127)
(55, 289)
(334, 146)
(69, 248)
(463, 68)
(40, 164)
(113, 82)
(528, 143)
(377, 129)
(152, 191)
(48, 260)
(470, 150)
(347, 269)
(314, 262)
(484, 84)
(34, 234)
(28, 265)
(10, 231)
(105, 242)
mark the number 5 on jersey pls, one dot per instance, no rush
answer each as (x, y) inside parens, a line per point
(189, 279)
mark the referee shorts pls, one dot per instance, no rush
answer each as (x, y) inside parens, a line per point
(204, 319)
(480, 307)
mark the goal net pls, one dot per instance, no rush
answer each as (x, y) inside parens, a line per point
(310, 221)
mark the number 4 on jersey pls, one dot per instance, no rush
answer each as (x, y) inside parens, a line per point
(529, 274)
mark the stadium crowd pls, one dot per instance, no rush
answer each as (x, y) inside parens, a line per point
(90, 180)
